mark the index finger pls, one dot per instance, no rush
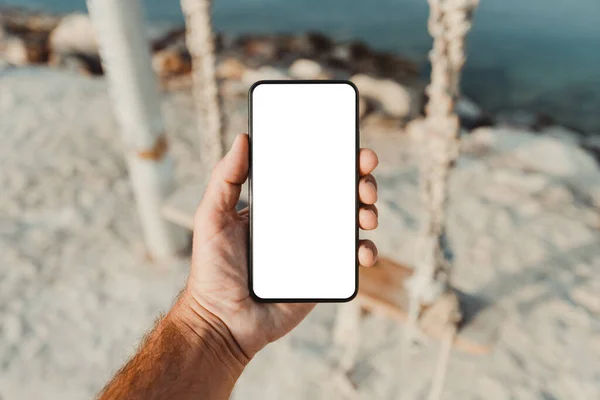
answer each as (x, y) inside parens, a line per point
(367, 161)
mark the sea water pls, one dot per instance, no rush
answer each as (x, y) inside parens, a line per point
(538, 55)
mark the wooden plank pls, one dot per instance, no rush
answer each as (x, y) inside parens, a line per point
(382, 291)
(181, 206)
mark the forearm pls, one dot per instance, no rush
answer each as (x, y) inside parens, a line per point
(188, 355)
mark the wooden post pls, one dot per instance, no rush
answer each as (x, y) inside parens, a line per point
(126, 60)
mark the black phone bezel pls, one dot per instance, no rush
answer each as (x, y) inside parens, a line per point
(250, 204)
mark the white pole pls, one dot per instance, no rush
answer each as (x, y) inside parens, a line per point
(126, 61)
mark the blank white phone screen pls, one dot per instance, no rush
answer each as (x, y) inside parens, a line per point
(303, 191)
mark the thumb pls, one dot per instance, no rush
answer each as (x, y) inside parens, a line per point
(225, 185)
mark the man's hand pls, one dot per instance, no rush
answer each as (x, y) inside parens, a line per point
(217, 288)
(201, 347)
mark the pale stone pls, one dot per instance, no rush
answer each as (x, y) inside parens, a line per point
(170, 62)
(308, 69)
(13, 50)
(230, 68)
(563, 134)
(266, 72)
(531, 151)
(74, 34)
(393, 98)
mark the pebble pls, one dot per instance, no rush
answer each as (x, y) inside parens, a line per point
(393, 98)
(74, 34)
(230, 68)
(351, 51)
(308, 69)
(263, 73)
(259, 47)
(310, 44)
(14, 50)
(395, 67)
(171, 62)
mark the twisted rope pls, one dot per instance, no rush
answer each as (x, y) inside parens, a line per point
(449, 22)
(199, 39)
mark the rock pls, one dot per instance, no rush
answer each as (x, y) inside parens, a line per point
(351, 51)
(536, 153)
(471, 115)
(170, 56)
(561, 133)
(74, 34)
(223, 42)
(308, 69)
(392, 66)
(230, 68)
(393, 98)
(263, 48)
(14, 50)
(25, 21)
(171, 62)
(523, 119)
(29, 28)
(162, 36)
(311, 44)
(358, 58)
(263, 73)
(76, 63)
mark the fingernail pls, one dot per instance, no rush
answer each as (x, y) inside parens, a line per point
(235, 143)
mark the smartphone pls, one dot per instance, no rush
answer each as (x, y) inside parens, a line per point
(303, 191)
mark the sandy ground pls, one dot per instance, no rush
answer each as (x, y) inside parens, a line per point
(76, 295)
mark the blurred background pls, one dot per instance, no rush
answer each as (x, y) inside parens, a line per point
(538, 55)
(79, 286)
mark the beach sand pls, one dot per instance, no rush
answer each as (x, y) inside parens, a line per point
(77, 294)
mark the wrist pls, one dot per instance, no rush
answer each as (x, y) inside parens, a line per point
(207, 334)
